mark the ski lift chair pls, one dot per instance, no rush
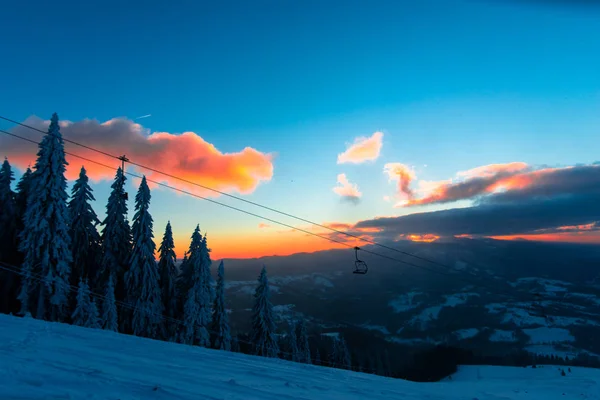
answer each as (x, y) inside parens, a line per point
(360, 267)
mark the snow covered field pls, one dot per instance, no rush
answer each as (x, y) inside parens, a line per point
(40, 360)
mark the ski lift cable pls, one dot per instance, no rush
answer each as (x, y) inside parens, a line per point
(39, 278)
(337, 231)
(456, 273)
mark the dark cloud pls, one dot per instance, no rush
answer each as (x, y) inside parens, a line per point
(557, 198)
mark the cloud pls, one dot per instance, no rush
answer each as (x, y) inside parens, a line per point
(403, 175)
(549, 200)
(363, 149)
(185, 155)
(348, 191)
(143, 116)
(474, 183)
(263, 225)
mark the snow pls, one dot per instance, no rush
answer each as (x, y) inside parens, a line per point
(378, 328)
(51, 360)
(405, 302)
(500, 335)
(545, 335)
(466, 333)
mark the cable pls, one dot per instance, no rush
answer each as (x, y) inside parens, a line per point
(248, 201)
(39, 278)
(407, 263)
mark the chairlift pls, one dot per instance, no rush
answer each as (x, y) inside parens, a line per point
(360, 267)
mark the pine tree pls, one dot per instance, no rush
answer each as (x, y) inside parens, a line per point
(317, 357)
(23, 189)
(168, 279)
(235, 344)
(45, 239)
(86, 313)
(303, 345)
(197, 308)
(220, 322)
(109, 320)
(116, 241)
(344, 360)
(142, 279)
(263, 325)
(292, 343)
(84, 236)
(8, 238)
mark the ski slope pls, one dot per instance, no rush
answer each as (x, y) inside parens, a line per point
(40, 360)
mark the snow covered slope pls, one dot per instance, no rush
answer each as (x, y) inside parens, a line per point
(40, 360)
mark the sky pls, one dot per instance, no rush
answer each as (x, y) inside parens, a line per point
(396, 120)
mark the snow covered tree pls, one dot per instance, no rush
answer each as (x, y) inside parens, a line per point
(45, 239)
(109, 320)
(116, 240)
(197, 307)
(220, 322)
(263, 324)
(303, 346)
(85, 238)
(235, 344)
(86, 312)
(168, 280)
(317, 357)
(340, 356)
(292, 343)
(142, 279)
(8, 214)
(8, 238)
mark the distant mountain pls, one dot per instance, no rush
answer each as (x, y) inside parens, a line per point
(487, 295)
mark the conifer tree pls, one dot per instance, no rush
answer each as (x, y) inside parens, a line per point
(86, 313)
(197, 308)
(8, 214)
(45, 239)
(168, 279)
(8, 238)
(303, 345)
(84, 235)
(109, 318)
(292, 343)
(317, 357)
(116, 240)
(23, 189)
(220, 322)
(344, 361)
(235, 344)
(263, 325)
(142, 279)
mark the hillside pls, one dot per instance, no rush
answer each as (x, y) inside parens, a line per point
(483, 301)
(48, 360)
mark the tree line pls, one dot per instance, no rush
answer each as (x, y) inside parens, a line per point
(71, 271)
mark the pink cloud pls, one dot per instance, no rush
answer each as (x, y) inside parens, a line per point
(403, 175)
(363, 149)
(185, 155)
(347, 190)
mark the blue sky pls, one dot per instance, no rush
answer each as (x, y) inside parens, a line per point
(453, 85)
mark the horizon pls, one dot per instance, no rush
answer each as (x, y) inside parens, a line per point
(396, 121)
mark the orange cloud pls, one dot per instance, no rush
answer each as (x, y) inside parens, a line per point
(490, 170)
(584, 237)
(427, 238)
(363, 149)
(185, 155)
(263, 225)
(403, 175)
(478, 181)
(347, 190)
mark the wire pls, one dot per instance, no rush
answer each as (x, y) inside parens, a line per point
(407, 263)
(361, 238)
(39, 278)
